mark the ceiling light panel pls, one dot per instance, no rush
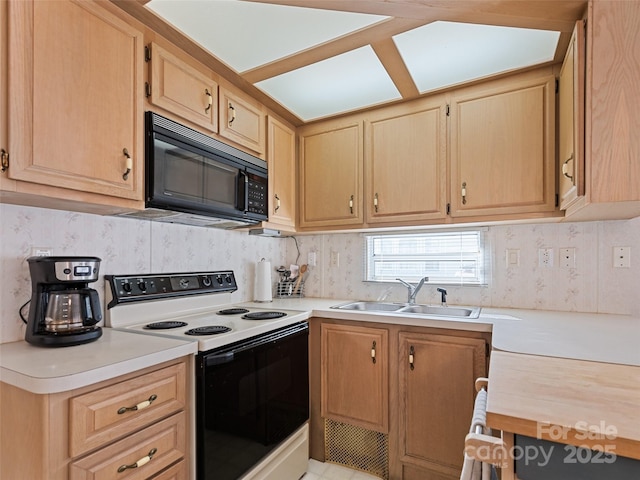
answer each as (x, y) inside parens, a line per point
(246, 35)
(353, 80)
(446, 53)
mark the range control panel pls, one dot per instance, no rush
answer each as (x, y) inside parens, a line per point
(137, 288)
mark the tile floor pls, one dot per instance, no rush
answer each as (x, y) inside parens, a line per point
(331, 471)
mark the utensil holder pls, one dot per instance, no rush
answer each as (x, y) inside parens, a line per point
(289, 290)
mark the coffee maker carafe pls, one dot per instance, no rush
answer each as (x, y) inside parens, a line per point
(64, 311)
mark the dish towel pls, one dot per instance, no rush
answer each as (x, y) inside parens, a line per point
(473, 469)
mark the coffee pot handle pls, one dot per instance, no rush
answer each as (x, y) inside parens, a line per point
(91, 305)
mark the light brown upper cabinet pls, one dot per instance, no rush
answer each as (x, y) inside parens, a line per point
(178, 87)
(503, 147)
(242, 120)
(75, 106)
(331, 174)
(571, 120)
(355, 376)
(405, 164)
(612, 123)
(281, 161)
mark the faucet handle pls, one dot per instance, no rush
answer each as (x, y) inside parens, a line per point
(443, 295)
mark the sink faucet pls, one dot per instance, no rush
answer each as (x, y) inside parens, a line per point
(413, 290)
(443, 296)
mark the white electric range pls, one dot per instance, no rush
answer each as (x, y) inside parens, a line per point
(251, 371)
(194, 306)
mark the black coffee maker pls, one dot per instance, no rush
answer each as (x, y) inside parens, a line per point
(64, 311)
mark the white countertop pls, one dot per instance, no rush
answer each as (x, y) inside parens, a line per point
(51, 370)
(581, 336)
(593, 337)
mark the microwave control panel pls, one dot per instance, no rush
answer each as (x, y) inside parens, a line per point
(257, 196)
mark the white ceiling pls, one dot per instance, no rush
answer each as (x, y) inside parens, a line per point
(248, 36)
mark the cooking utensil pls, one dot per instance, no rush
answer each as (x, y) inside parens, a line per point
(303, 270)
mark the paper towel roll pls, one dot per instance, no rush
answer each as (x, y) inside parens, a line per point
(262, 290)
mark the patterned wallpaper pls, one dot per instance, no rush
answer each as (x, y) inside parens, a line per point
(593, 285)
(140, 246)
(125, 246)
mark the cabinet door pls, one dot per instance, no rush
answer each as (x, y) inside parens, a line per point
(76, 98)
(241, 121)
(3, 90)
(181, 89)
(571, 120)
(406, 167)
(613, 104)
(503, 150)
(281, 160)
(355, 380)
(437, 375)
(331, 175)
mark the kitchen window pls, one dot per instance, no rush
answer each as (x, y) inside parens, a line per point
(455, 258)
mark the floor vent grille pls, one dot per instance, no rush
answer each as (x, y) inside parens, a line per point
(357, 448)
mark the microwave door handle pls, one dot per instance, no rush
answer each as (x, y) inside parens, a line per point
(243, 187)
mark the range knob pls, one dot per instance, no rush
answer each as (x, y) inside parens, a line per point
(126, 287)
(206, 281)
(219, 279)
(227, 279)
(142, 285)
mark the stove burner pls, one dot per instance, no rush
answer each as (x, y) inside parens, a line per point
(165, 325)
(233, 311)
(208, 330)
(263, 315)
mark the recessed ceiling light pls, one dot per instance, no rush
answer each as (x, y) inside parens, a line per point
(342, 83)
(446, 53)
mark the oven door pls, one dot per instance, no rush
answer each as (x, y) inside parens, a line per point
(250, 396)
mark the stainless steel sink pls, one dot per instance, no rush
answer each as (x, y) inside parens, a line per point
(371, 306)
(426, 310)
(465, 312)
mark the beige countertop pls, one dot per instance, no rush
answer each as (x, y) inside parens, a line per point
(593, 337)
(51, 370)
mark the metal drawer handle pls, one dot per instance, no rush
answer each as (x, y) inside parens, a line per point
(565, 168)
(375, 202)
(464, 193)
(351, 204)
(411, 354)
(209, 100)
(128, 165)
(139, 463)
(373, 352)
(277, 204)
(140, 406)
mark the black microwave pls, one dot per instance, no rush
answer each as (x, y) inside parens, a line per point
(195, 179)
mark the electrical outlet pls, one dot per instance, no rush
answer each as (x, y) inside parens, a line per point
(41, 251)
(568, 257)
(545, 257)
(622, 257)
(311, 259)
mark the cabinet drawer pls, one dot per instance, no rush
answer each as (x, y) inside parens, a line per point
(163, 442)
(174, 472)
(117, 410)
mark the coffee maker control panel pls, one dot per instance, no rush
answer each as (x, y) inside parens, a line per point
(136, 288)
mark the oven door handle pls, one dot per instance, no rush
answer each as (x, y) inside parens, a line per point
(228, 356)
(219, 359)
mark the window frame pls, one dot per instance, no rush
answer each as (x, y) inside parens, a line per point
(482, 257)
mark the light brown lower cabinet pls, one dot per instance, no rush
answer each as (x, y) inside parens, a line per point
(96, 432)
(430, 374)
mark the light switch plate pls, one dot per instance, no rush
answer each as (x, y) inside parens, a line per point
(513, 257)
(621, 257)
(568, 257)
